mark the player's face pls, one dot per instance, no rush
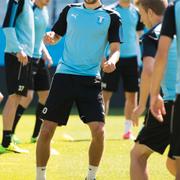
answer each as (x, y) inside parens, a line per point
(90, 1)
(44, 2)
(144, 16)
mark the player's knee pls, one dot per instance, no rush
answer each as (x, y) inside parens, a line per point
(138, 155)
(13, 100)
(98, 133)
(46, 132)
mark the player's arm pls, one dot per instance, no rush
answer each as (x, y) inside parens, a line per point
(59, 28)
(139, 27)
(13, 11)
(167, 33)
(46, 56)
(114, 39)
(145, 84)
(149, 51)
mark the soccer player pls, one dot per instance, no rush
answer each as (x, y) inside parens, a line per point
(18, 27)
(40, 75)
(170, 27)
(127, 66)
(87, 27)
(1, 97)
(154, 136)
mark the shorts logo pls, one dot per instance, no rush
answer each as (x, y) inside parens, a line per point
(20, 88)
(45, 109)
(103, 85)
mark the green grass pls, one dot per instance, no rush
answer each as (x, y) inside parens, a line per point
(71, 163)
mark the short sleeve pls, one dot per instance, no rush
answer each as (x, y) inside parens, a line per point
(114, 28)
(140, 25)
(149, 47)
(60, 26)
(168, 26)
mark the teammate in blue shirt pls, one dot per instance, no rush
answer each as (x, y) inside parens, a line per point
(127, 67)
(170, 27)
(40, 75)
(18, 27)
(87, 27)
(154, 136)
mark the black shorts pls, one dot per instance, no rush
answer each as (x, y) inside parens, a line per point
(18, 77)
(175, 140)
(40, 79)
(127, 69)
(156, 135)
(66, 89)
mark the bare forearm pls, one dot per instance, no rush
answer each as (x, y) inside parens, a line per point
(145, 85)
(160, 64)
(158, 73)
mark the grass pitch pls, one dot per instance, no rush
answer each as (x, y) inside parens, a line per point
(72, 144)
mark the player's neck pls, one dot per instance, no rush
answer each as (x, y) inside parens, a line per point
(157, 20)
(39, 4)
(124, 4)
(92, 6)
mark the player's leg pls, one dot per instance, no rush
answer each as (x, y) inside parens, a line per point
(130, 104)
(130, 75)
(8, 117)
(41, 85)
(175, 142)
(154, 136)
(43, 147)
(42, 95)
(96, 148)
(55, 112)
(107, 97)
(138, 166)
(23, 105)
(91, 112)
(110, 82)
(16, 77)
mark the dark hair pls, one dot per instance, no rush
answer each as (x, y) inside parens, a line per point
(158, 6)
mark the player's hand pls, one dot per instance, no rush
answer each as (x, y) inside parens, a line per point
(137, 112)
(157, 107)
(22, 57)
(49, 38)
(108, 66)
(47, 58)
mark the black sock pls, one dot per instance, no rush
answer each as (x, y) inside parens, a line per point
(38, 123)
(6, 140)
(19, 113)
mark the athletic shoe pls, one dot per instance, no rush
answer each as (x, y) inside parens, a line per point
(33, 140)
(12, 148)
(128, 135)
(15, 139)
